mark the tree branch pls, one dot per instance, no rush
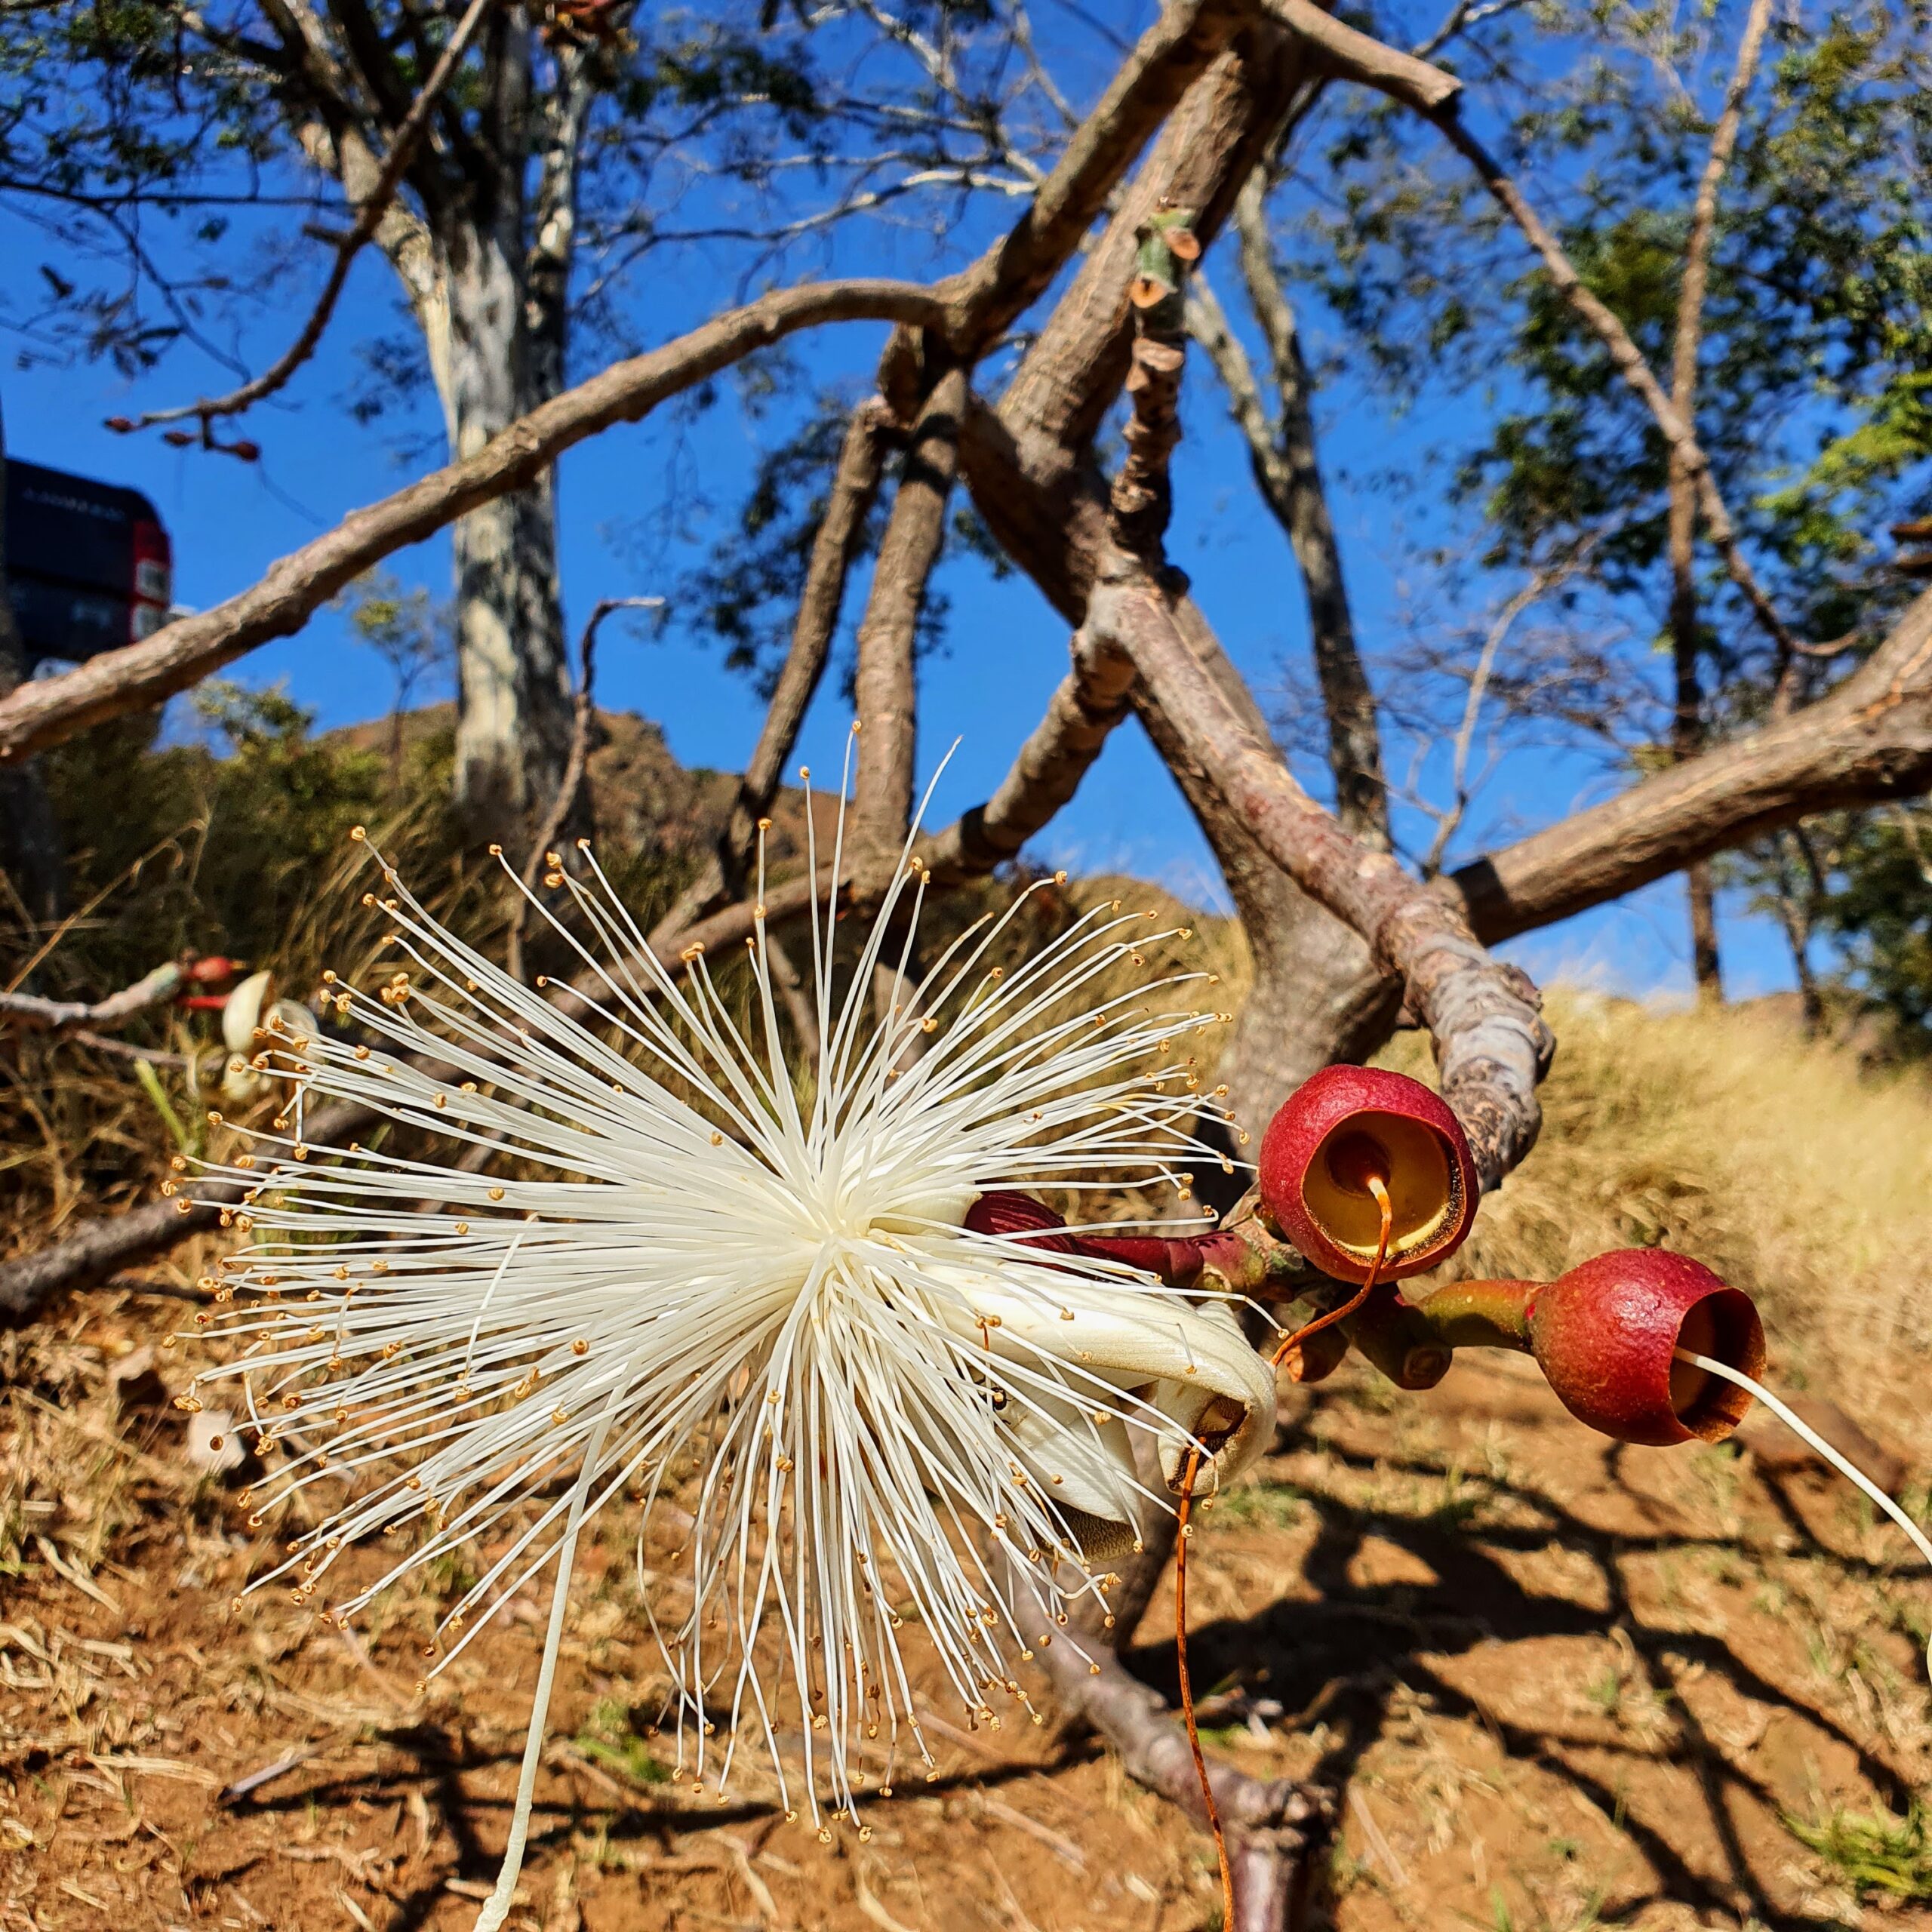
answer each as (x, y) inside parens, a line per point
(583, 717)
(1491, 1044)
(28, 1013)
(885, 712)
(1282, 456)
(1165, 62)
(1434, 95)
(1089, 701)
(1274, 1829)
(369, 214)
(179, 653)
(1869, 740)
(854, 490)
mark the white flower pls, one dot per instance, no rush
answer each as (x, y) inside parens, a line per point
(682, 1269)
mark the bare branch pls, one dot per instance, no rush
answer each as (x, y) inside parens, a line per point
(1275, 1829)
(1282, 456)
(369, 215)
(179, 653)
(1869, 740)
(27, 1013)
(886, 710)
(1449, 820)
(1491, 1043)
(583, 716)
(1167, 58)
(854, 491)
(1434, 95)
(1089, 701)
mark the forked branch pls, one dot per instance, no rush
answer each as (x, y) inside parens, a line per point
(369, 215)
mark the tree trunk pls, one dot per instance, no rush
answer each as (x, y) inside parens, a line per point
(513, 687)
(1687, 724)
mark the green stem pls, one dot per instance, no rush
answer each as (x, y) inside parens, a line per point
(1479, 1314)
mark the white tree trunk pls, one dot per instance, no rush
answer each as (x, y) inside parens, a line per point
(513, 686)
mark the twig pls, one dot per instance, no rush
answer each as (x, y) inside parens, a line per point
(1447, 822)
(290, 1761)
(368, 218)
(28, 1013)
(583, 717)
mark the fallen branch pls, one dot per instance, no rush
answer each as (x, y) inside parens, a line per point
(43, 712)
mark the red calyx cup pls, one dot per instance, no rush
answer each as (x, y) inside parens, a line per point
(1605, 1336)
(1343, 1127)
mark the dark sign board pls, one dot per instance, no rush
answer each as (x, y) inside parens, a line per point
(89, 567)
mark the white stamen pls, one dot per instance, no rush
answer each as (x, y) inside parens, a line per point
(1807, 1435)
(685, 1269)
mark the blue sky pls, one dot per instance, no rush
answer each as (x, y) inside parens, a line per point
(1007, 650)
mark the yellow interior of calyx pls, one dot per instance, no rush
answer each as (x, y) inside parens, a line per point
(1416, 1169)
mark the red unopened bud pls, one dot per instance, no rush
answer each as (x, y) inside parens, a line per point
(1606, 1335)
(1019, 1216)
(1353, 1126)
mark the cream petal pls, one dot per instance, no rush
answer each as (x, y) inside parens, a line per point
(241, 1012)
(1184, 1358)
(1076, 1463)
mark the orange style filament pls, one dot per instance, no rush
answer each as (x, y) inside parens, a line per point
(1187, 1689)
(1377, 1187)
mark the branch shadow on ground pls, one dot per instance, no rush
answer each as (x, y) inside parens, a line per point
(1348, 1652)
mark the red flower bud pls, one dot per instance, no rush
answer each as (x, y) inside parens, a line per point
(1605, 1336)
(1349, 1124)
(1020, 1216)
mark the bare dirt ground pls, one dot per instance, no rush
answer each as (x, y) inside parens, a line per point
(1556, 1685)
